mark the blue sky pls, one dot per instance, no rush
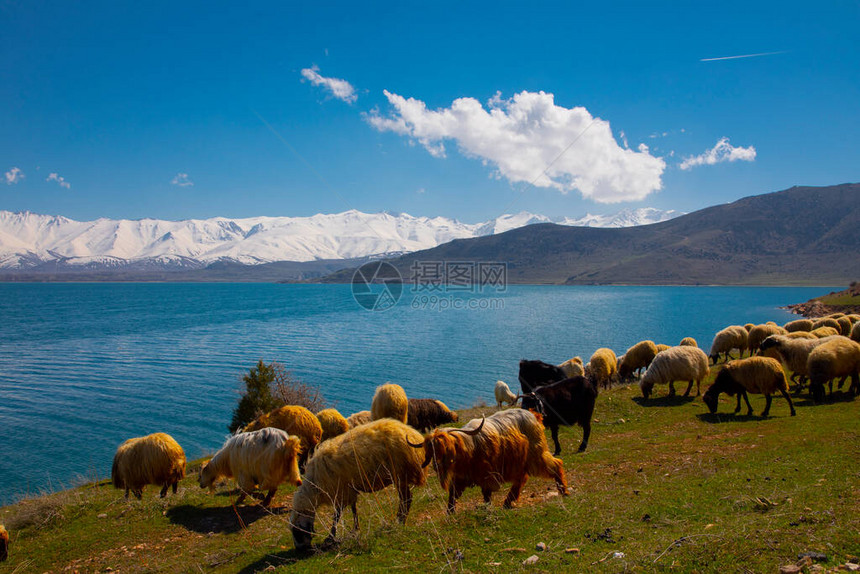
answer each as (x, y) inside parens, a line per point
(132, 110)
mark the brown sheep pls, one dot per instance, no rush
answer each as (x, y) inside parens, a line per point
(153, 459)
(827, 322)
(389, 401)
(263, 458)
(761, 332)
(822, 332)
(798, 325)
(332, 423)
(839, 357)
(366, 458)
(573, 367)
(759, 375)
(294, 420)
(637, 357)
(688, 342)
(427, 414)
(359, 418)
(601, 367)
(844, 325)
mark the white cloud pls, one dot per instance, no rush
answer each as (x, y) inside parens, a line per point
(530, 139)
(341, 89)
(721, 152)
(182, 180)
(61, 181)
(14, 175)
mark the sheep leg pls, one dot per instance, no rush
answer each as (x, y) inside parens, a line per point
(338, 510)
(405, 503)
(689, 388)
(738, 407)
(138, 493)
(554, 430)
(354, 516)
(126, 492)
(454, 492)
(175, 484)
(790, 404)
(164, 490)
(766, 410)
(269, 497)
(241, 498)
(487, 493)
(516, 488)
(749, 406)
(671, 388)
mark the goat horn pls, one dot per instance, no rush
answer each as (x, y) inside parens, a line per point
(474, 431)
(419, 445)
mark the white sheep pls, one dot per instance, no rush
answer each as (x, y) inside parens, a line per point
(366, 458)
(601, 367)
(794, 352)
(676, 364)
(838, 357)
(573, 367)
(759, 375)
(728, 339)
(263, 458)
(504, 394)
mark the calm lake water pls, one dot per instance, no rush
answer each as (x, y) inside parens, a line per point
(85, 366)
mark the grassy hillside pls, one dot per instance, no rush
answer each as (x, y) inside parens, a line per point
(664, 487)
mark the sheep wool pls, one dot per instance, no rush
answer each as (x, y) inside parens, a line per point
(639, 356)
(838, 357)
(761, 332)
(364, 459)
(602, 366)
(293, 420)
(359, 418)
(758, 375)
(661, 347)
(844, 325)
(573, 367)
(855, 332)
(728, 339)
(822, 332)
(800, 335)
(263, 458)
(794, 351)
(826, 322)
(688, 342)
(675, 364)
(389, 401)
(504, 394)
(153, 459)
(332, 422)
(798, 325)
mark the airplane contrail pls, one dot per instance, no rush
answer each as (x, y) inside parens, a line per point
(743, 56)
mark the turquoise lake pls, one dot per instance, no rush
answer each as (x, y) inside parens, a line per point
(85, 366)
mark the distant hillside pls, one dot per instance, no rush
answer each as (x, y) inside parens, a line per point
(845, 301)
(803, 235)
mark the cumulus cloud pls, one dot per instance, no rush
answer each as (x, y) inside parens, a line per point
(61, 181)
(182, 180)
(341, 89)
(529, 138)
(721, 152)
(14, 175)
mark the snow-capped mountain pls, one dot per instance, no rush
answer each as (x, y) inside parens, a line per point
(28, 240)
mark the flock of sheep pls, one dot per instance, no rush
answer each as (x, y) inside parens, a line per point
(332, 459)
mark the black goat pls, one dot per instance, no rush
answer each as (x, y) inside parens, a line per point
(427, 414)
(567, 402)
(534, 374)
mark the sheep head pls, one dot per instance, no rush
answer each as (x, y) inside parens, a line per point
(207, 476)
(710, 399)
(302, 528)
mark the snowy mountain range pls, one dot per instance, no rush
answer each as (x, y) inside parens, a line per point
(29, 241)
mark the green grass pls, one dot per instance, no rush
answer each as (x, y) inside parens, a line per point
(671, 487)
(841, 299)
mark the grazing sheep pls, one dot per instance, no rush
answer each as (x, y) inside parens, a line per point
(728, 339)
(573, 367)
(389, 401)
(507, 446)
(675, 364)
(601, 367)
(153, 459)
(568, 402)
(798, 325)
(855, 332)
(844, 325)
(800, 335)
(294, 420)
(759, 375)
(822, 332)
(637, 357)
(826, 322)
(427, 414)
(359, 418)
(838, 357)
(332, 423)
(688, 342)
(4, 544)
(835, 315)
(794, 352)
(853, 317)
(535, 374)
(661, 347)
(761, 332)
(263, 458)
(364, 459)
(504, 395)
